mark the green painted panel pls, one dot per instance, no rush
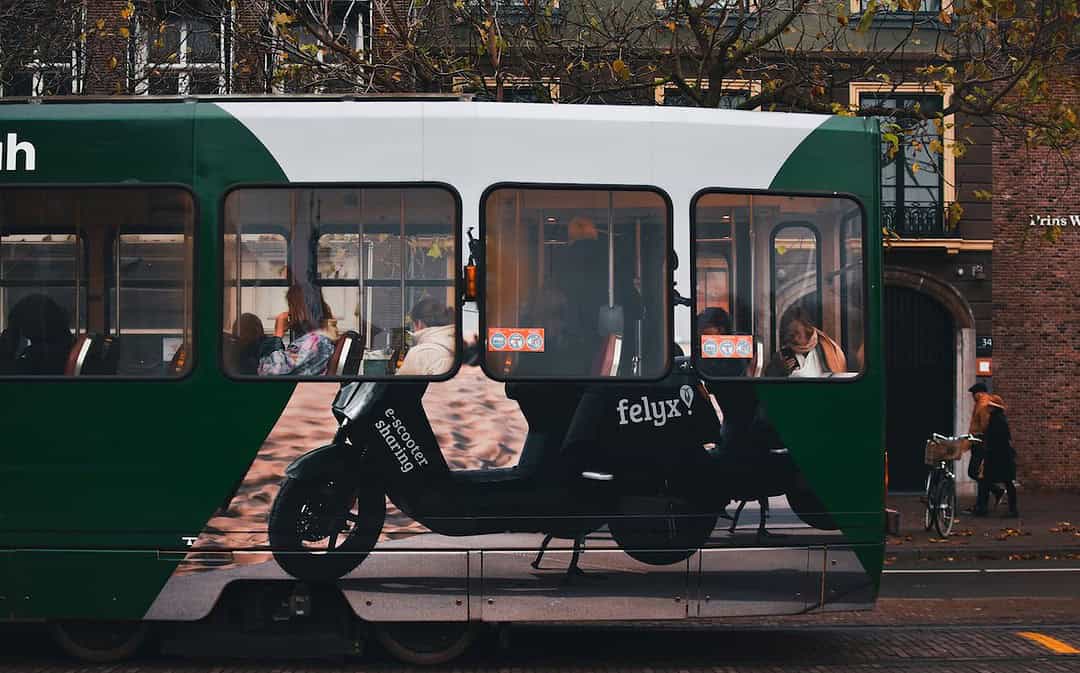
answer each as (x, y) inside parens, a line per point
(126, 464)
(7, 586)
(105, 585)
(837, 435)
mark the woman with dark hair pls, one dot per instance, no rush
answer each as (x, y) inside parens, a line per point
(432, 352)
(310, 347)
(806, 351)
(38, 337)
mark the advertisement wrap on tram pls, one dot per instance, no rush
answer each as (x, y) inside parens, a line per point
(447, 362)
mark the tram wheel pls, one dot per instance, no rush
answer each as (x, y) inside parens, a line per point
(100, 642)
(321, 530)
(425, 643)
(661, 538)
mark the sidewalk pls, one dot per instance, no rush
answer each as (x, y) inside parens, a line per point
(1049, 526)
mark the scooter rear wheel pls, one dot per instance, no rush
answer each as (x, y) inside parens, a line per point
(665, 538)
(322, 529)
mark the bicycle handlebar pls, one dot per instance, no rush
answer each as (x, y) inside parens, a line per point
(937, 437)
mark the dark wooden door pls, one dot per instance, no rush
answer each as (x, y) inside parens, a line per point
(920, 372)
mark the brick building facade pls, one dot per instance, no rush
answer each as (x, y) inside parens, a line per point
(1036, 302)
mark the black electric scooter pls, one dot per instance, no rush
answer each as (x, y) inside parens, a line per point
(636, 458)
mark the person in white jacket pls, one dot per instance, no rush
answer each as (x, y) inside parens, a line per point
(432, 352)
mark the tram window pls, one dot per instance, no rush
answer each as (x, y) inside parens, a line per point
(795, 303)
(360, 284)
(95, 281)
(577, 283)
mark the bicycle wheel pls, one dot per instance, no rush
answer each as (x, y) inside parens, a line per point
(946, 509)
(929, 513)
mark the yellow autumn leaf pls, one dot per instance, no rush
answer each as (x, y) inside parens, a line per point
(945, 17)
(112, 63)
(282, 19)
(100, 23)
(621, 70)
(128, 11)
(124, 32)
(936, 147)
(915, 168)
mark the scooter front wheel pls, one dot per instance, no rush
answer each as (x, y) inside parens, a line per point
(321, 529)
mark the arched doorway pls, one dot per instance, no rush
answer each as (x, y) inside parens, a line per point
(920, 370)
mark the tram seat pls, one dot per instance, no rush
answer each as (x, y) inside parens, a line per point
(93, 354)
(606, 362)
(348, 355)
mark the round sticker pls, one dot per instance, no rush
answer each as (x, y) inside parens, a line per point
(742, 347)
(534, 341)
(498, 340)
(516, 341)
(727, 348)
(709, 348)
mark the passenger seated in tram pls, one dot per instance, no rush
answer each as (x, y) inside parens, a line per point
(38, 337)
(806, 351)
(247, 345)
(311, 343)
(432, 351)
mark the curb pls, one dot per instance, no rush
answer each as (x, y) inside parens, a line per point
(981, 553)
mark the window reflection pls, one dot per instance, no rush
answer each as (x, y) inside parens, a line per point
(576, 283)
(356, 264)
(793, 306)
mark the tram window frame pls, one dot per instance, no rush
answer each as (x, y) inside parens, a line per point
(455, 286)
(667, 309)
(774, 319)
(695, 340)
(193, 232)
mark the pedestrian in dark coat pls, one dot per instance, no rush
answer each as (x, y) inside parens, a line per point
(999, 456)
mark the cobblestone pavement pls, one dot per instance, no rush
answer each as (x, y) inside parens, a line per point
(706, 648)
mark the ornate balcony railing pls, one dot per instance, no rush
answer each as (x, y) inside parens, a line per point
(916, 219)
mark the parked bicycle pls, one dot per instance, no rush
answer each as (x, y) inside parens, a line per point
(940, 496)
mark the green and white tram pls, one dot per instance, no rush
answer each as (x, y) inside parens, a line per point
(428, 361)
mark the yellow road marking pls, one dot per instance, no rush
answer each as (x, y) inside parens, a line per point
(1052, 644)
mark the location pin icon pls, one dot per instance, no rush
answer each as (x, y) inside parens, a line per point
(687, 395)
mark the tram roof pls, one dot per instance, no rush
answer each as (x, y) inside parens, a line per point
(18, 107)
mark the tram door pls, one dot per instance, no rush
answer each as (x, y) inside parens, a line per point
(919, 360)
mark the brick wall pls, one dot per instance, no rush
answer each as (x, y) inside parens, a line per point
(1036, 301)
(106, 48)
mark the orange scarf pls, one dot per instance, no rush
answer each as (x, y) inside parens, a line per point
(980, 416)
(834, 355)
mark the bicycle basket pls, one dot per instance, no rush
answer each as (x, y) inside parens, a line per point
(938, 450)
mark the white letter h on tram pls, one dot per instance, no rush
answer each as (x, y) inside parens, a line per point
(11, 151)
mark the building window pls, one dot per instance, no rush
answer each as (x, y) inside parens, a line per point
(336, 282)
(182, 55)
(45, 78)
(96, 281)
(717, 7)
(304, 63)
(918, 173)
(577, 283)
(735, 93)
(514, 90)
(925, 7)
